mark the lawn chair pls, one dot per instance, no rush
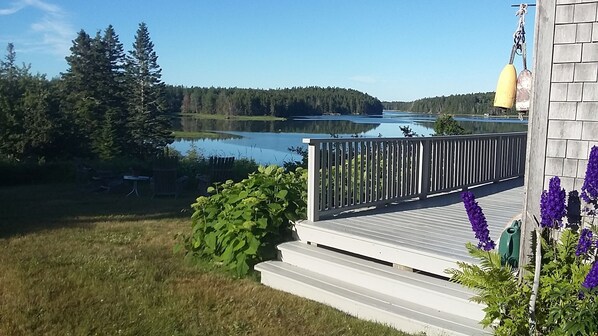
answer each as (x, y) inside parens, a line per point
(219, 170)
(166, 183)
(106, 180)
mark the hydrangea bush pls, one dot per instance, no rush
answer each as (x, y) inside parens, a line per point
(558, 293)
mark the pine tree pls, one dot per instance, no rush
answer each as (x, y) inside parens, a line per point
(79, 104)
(95, 93)
(28, 112)
(148, 123)
(113, 137)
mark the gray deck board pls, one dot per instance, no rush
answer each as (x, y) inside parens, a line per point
(438, 224)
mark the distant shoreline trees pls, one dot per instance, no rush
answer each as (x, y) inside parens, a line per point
(471, 103)
(290, 102)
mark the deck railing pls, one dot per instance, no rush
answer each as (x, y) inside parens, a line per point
(352, 173)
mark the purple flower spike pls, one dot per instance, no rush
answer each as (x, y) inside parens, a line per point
(589, 189)
(585, 242)
(552, 205)
(591, 280)
(478, 221)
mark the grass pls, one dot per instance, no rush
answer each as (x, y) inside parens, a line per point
(231, 117)
(78, 263)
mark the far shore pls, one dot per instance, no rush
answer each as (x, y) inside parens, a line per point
(231, 117)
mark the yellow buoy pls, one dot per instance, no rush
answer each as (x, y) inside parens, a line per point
(506, 88)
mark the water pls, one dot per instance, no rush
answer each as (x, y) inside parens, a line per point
(267, 142)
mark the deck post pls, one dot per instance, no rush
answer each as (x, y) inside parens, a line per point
(498, 155)
(424, 171)
(313, 180)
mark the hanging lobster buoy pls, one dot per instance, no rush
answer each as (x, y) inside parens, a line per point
(524, 80)
(506, 88)
(524, 90)
(510, 87)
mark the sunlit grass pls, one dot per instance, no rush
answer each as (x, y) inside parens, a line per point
(75, 263)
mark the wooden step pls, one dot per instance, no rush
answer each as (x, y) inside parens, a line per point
(375, 248)
(365, 303)
(422, 289)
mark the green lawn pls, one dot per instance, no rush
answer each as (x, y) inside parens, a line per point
(80, 263)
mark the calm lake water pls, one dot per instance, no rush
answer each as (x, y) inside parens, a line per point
(267, 142)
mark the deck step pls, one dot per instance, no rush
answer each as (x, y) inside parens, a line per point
(388, 251)
(365, 303)
(427, 291)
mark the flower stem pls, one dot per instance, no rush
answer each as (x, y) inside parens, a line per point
(536, 285)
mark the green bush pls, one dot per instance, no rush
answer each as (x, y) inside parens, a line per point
(241, 223)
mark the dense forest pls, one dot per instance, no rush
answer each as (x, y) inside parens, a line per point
(274, 102)
(471, 103)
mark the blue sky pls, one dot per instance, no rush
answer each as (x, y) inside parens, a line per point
(391, 49)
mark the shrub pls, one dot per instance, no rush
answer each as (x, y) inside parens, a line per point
(446, 125)
(558, 295)
(241, 223)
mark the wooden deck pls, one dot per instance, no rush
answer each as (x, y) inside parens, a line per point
(427, 235)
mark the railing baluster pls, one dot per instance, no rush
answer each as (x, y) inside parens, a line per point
(349, 173)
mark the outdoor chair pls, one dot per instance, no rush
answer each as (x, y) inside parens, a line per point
(219, 170)
(89, 179)
(106, 180)
(166, 183)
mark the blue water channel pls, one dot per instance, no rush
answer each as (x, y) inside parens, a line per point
(267, 142)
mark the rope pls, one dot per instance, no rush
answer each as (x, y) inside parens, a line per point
(519, 35)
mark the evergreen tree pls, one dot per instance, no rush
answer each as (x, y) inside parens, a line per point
(11, 111)
(113, 136)
(148, 124)
(446, 125)
(95, 89)
(79, 104)
(28, 112)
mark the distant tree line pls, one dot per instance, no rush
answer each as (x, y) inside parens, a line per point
(106, 105)
(471, 103)
(275, 102)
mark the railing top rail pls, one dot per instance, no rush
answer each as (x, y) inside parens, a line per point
(312, 141)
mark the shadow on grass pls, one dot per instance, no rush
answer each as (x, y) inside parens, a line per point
(32, 208)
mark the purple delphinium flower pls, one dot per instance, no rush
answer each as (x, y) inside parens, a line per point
(585, 242)
(589, 189)
(591, 280)
(479, 225)
(552, 205)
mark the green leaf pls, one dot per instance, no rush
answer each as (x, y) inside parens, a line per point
(254, 244)
(240, 244)
(282, 194)
(227, 256)
(269, 170)
(242, 267)
(275, 207)
(211, 241)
